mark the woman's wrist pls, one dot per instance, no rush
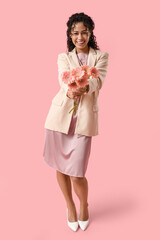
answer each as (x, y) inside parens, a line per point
(86, 90)
(67, 95)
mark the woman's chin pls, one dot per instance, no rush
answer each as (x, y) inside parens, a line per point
(81, 47)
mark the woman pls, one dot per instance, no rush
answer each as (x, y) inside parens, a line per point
(68, 136)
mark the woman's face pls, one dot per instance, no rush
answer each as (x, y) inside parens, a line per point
(80, 36)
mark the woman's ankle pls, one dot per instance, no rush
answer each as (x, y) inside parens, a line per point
(70, 205)
(84, 204)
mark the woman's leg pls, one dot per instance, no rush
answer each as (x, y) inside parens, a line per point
(80, 185)
(65, 185)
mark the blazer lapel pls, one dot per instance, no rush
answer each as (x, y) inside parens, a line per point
(90, 61)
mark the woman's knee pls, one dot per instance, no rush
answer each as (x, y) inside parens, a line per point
(62, 175)
(77, 179)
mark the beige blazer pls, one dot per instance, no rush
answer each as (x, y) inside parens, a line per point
(59, 118)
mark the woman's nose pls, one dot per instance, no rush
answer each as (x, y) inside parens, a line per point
(80, 38)
(80, 35)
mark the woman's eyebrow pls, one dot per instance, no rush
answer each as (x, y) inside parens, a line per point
(82, 30)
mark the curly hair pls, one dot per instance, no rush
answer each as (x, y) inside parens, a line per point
(88, 22)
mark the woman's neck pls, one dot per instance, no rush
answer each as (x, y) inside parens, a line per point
(83, 51)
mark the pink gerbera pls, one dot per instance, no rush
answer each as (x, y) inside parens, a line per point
(93, 72)
(85, 68)
(66, 76)
(72, 84)
(77, 72)
(82, 81)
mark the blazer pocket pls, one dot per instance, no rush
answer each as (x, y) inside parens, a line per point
(57, 100)
(95, 107)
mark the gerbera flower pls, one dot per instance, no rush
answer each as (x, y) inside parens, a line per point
(81, 82)
(93, 72)
(77, 72)
(85, 68)
(72, 84)
(66, 76)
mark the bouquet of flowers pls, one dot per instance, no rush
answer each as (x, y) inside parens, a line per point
(79, 77)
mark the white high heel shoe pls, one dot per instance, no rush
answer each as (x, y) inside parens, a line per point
(72, 225)
(83, 224)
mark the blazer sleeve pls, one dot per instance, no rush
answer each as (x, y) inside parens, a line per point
(63, 65)
(96, 83)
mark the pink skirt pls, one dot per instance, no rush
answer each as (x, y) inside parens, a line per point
(67, 153)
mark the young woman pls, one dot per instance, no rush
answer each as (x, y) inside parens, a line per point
(68, 136)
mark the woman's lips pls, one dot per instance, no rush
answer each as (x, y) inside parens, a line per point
(80, 43)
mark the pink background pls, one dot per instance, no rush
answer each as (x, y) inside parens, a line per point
(123, 170)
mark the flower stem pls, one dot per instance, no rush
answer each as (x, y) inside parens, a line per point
(75, 107)
(71, 109)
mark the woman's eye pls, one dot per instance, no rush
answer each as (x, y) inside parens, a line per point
(83, 33)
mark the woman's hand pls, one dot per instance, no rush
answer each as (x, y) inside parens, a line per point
(77, 93)
(70, 94)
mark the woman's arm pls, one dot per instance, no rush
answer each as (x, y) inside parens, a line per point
(101, 66)
(63, 65)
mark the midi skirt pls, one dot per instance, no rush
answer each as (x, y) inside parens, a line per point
(67, 153)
